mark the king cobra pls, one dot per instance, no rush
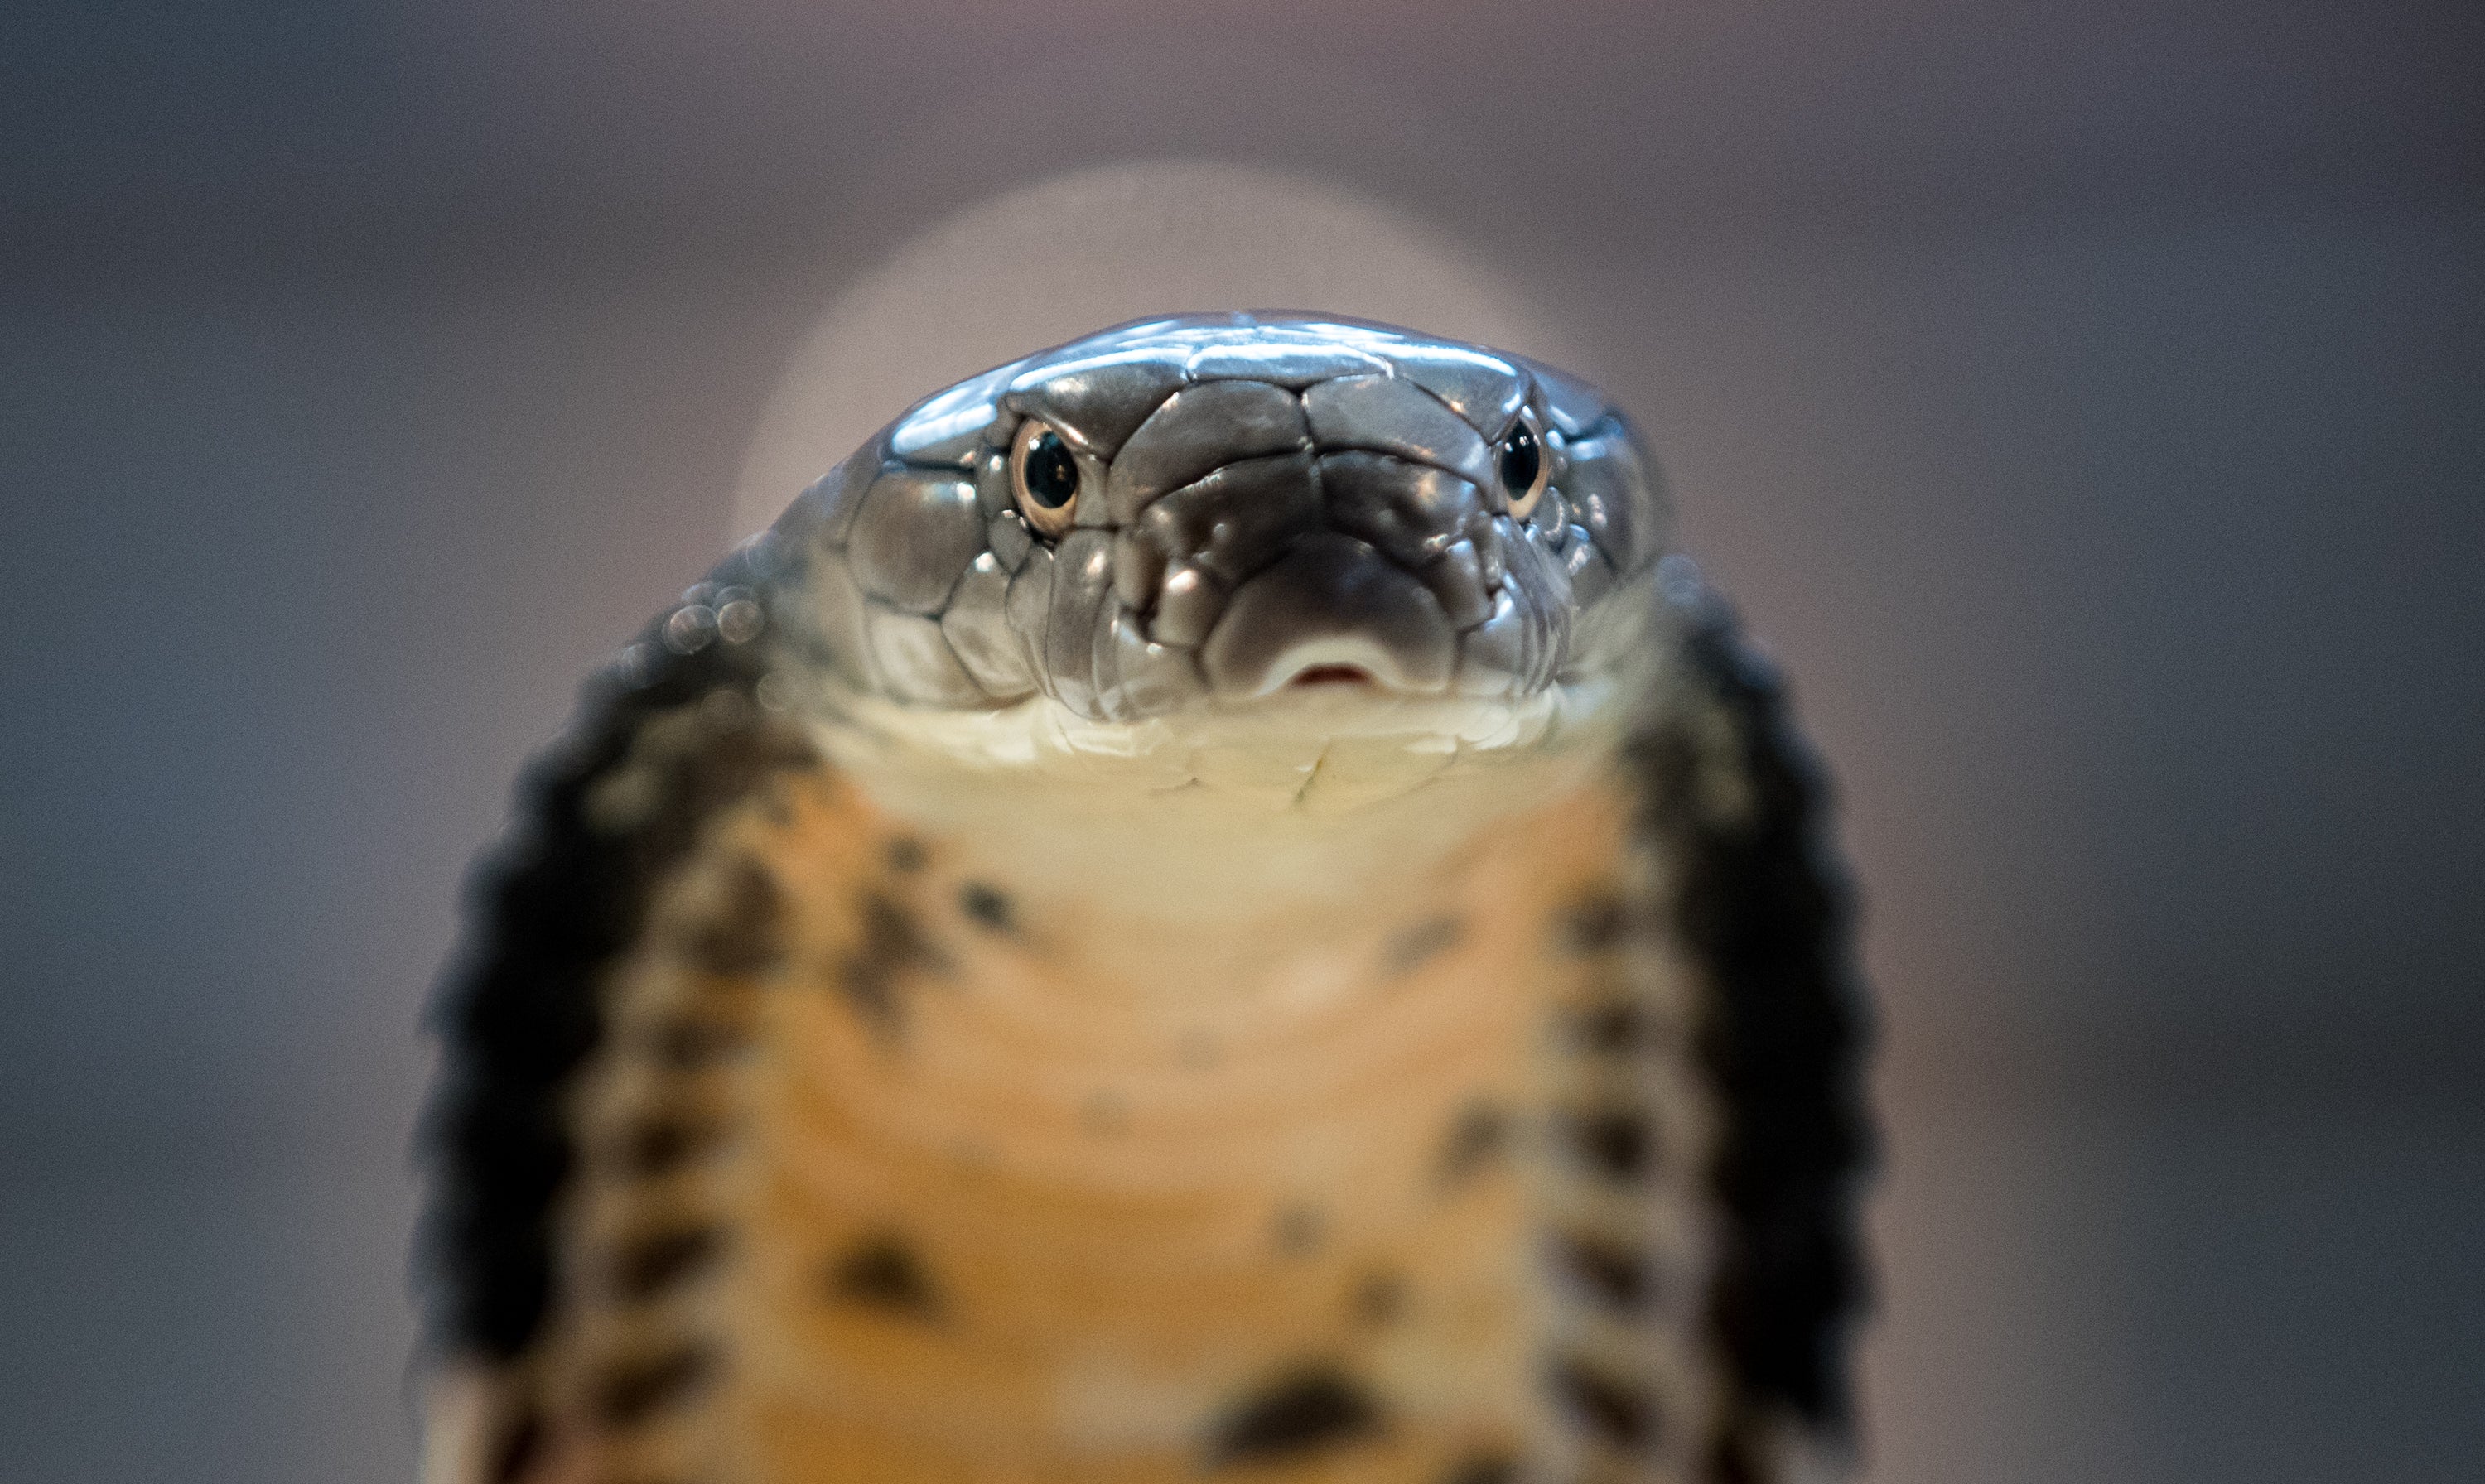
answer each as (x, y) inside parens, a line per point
(1213, 904)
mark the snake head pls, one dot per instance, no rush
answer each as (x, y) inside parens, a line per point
(1206, 510)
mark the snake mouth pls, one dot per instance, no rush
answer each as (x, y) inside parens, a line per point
(1313, 677)
(1333, 610)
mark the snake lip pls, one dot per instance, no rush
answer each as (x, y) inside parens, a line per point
(1332, 675)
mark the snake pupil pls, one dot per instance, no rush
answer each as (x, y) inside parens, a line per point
(1052, 473)
(1520, 460)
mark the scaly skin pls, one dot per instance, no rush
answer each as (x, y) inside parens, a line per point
(977, 1007)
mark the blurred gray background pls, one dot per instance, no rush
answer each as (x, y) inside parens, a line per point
(2088, 402)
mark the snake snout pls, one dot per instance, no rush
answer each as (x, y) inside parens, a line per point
(1333, 603)
(1316, 561)
(1323, 561)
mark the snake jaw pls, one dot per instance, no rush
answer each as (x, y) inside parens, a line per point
(1259, 498)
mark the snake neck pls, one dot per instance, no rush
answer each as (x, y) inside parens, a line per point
(1190, 839)
(996, 1198)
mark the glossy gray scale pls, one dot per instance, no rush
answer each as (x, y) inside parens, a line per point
(1262, 494)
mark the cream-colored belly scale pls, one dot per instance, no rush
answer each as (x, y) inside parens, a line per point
(891, 1181)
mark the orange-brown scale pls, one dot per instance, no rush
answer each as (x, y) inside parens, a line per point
(972, 1205)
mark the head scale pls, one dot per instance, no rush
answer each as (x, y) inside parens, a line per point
(1202, 510)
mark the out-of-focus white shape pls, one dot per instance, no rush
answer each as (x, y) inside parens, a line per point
(1059, 258)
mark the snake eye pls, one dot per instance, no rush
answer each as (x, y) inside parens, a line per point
(1524, 469)
(1043, 477)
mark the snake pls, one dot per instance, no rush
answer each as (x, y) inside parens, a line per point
(1216, 902)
